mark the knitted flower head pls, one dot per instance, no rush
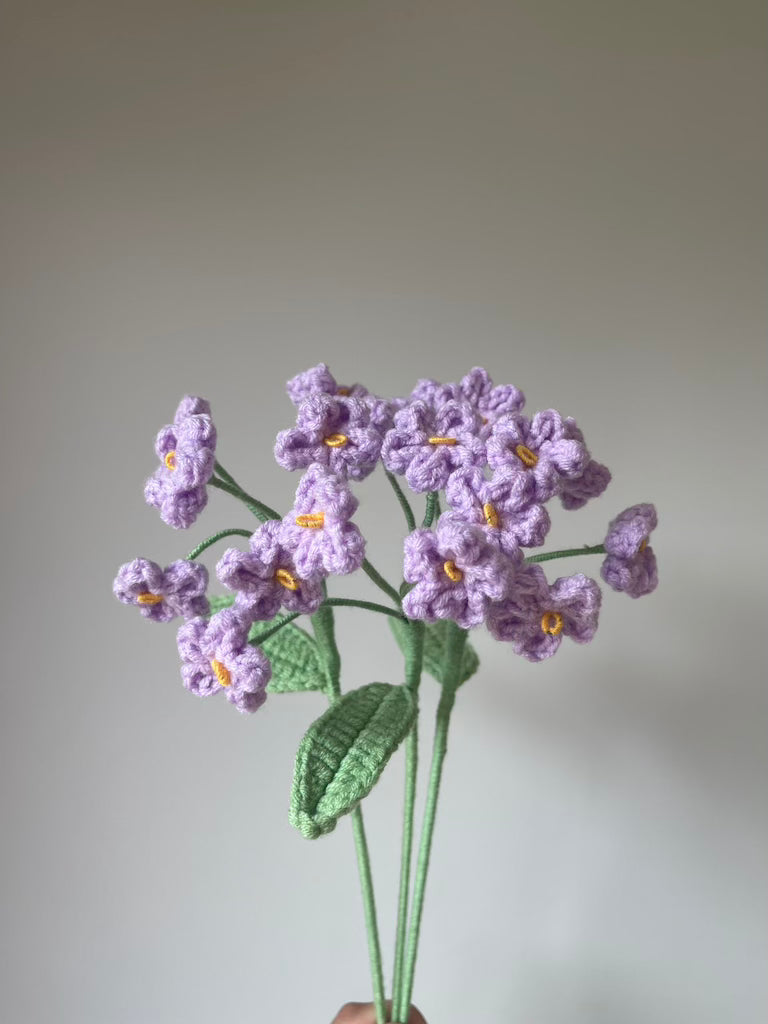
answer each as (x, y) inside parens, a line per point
(474, 480)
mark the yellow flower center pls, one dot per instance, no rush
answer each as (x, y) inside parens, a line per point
(552, 623)
(287, 579)
(336, 440)
(344, 392)
(526, 456)
(148, 598)
(643, 545)
(443, 440)
(491, 515)
(170, 460)
(452, 571)
(311, 520)
(222, 673)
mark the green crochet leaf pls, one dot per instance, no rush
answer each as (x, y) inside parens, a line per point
(296, 662)
(434, 647)
(345, 751)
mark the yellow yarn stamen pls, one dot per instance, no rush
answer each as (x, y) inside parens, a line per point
(170, 460)
(491, 515)
(452, 571)
(344, 392)
(443, 440)
(336, 440)
(222, 673)
(526, 456)
(643, 545)
(311, 520)
(552, 623)
(147, 598)
(287, 579)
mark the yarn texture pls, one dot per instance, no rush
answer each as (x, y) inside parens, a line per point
(473, 481)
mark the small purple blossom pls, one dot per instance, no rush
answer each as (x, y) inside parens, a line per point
(630, 565)
(266, 578)
(319, 380)
(575, 492)
(534, 616)
(186, 450)
(490, 402)
(428, 444)
(539, 447)
(317, 529)
(456, 572)
(162, 594)
(216, 656)
(502, 507)
(593, 481)
(333, 432)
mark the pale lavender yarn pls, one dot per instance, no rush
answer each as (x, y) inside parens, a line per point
(186, 450)
(318, 530)
(456, 572)
(534, 617)
(489, 402)
(502, 507)
(575, 492)
(256, 575)
(162, 594)
(333, 432)
(319, 380)
(538, 447)
(216, 656)
(630, 565)
(427, 444)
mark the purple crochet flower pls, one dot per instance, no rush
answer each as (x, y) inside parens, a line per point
(266, 577)
(216, 656)
(334, 432)
(317, 529)
(162, 594)
(429, 444)
(319, 380)
(576, 491)
(540, 448)
(502, 507)
(186, 449)
(457, 574)
(630, 566)
(535, 616)
(489, 402)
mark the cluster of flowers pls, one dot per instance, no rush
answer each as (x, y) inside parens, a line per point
(496, 468)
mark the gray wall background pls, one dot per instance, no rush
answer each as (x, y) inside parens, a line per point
(210, 197)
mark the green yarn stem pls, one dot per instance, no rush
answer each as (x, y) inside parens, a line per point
(228, 478)
(404, 503)
(212, 540)
(454, 653)
(380, 582)
(414, 655)
(371, 606)
(597, 549)
(369, 909)
(325, 634)
(259, 509)
(429, 513)
(284, 620)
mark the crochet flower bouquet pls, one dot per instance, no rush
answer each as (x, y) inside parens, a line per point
(486, 473)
